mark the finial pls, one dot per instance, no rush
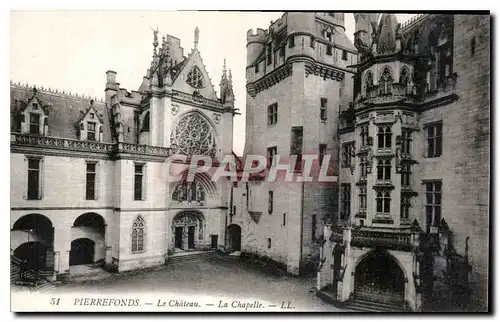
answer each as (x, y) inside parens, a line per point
(224, 67)
(196, 37)
(34, 90)
(230, 76)
(91, 102)
(155, 37)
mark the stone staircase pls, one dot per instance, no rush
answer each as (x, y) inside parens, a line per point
(371, 302)
(33, 285)
(189, 256)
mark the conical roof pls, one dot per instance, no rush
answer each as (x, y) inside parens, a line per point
(386, 34)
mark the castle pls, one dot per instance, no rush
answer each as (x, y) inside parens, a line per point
(401, 117)
(89, 178)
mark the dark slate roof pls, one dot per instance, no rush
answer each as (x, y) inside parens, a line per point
(65, 111)
(386, 34)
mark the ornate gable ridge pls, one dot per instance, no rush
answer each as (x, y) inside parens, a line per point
(55, 92)
(202, 67)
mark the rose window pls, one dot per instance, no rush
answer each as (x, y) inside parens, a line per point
(193, 136)
(195, 78)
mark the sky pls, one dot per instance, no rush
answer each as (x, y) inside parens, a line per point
(72, 50)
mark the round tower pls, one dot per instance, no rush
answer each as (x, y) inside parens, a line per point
(255, 44)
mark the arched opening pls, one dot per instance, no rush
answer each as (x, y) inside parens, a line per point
(32, 239)
(379, 277)
(188, 230)
(34, 253)
(233, 233)
(88, 232)
(82, 252)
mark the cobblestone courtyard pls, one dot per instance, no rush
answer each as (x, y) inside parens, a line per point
(217, 277)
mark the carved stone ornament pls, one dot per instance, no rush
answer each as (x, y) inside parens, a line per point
(216, 118)
(175, 109)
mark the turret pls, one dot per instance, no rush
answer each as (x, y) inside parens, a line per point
(226, 86)
(255, 44)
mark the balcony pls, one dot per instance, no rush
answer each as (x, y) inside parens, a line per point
(395, 93)
(395, 239)
(44, 142)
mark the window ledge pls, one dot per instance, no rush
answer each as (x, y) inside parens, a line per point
(360, 215)
(382, 218)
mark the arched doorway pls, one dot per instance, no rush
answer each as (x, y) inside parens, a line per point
(88, 235)
(34, 253)
(187, 230)
(233, 233)
(380, 277)
(32, 239)
(82, 251)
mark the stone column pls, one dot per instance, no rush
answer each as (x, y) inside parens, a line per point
(62, 246)
(107, 242)
(56, 262)
(185, 237)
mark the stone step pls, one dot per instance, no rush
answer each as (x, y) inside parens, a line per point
(375, 302)
(391, 306)
(177, 259)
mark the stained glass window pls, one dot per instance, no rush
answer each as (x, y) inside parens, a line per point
(193, 135)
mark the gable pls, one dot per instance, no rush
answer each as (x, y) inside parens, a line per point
(191, 68)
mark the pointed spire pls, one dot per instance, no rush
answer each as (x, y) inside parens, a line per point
(196, 37)
(224, 67)
(230, 79)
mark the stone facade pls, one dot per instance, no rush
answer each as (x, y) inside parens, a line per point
(300, 64)
(90, 179)
(432, 220)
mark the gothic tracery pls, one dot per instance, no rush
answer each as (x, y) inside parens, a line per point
(195, 78)
(193, 135)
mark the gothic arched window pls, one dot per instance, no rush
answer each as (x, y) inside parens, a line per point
(145, 123)
(385, 81)
(193, 135)
(195, 78)
(368, 80)
(138, 235)
(189, 191)
(383, 202)
(384, 137)
(404, 79)
(384, 170)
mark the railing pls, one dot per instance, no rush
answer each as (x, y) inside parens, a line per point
(59, 143)
(371, 238)
(87, 146)
(397, 92)
(143, 149)
(199, 99)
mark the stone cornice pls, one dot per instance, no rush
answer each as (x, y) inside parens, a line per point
(270, 79)
(414, 107)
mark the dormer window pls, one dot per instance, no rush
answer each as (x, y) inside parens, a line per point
(91, 131)
(34, 123)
